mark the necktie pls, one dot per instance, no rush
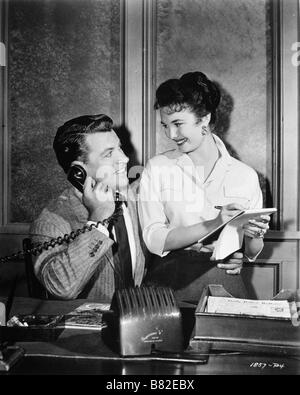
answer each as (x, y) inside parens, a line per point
(121, 251)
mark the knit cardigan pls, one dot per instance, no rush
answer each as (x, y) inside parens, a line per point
(83, 267)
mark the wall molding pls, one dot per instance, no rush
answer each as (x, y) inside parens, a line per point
(290, 117)
(133, 72)
(273, 235)
(139, 42)
(149, 79)
(275, 107)
(298, 81)
(276, 267)
(4, 145)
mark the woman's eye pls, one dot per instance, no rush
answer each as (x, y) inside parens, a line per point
(178, 124)
(108, 155)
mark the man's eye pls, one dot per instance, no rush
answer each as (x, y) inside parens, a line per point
(178, 124)
(108, 155)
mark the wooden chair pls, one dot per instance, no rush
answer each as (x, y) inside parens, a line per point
(35, 288)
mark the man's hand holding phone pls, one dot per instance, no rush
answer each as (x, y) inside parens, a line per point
(98, 198)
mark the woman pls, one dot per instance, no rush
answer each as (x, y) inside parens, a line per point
(180, 189)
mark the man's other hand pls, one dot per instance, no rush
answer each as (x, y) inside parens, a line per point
(233, 264)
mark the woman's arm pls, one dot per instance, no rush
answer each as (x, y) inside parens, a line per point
(254, 232)
(253, 246)
(184, 236)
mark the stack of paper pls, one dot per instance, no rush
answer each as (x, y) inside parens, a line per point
(265, 308)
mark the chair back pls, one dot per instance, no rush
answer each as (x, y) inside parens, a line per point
(35, 288)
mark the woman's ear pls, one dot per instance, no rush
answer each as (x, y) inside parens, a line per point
(206, 119)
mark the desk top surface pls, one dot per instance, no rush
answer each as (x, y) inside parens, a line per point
(84, 352)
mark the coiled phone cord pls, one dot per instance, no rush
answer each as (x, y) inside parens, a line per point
(67, 238)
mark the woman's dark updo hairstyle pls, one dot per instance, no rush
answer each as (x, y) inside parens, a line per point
(192, 90)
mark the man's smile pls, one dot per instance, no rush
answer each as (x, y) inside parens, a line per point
(121, 170)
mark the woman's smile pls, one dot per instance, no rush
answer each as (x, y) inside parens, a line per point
(181, 141)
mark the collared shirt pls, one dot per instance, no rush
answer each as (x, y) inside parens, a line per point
(173, 193)
(130, 233)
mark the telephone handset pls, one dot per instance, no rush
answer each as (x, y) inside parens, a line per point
(77, 175)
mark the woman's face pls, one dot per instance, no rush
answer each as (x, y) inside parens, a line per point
(183, 128)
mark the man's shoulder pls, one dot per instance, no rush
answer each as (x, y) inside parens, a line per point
(55, 211)
(63, 201)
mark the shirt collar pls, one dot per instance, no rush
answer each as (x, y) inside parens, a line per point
(119, 197)
(226, 158)
(221, 166)
(223, 163)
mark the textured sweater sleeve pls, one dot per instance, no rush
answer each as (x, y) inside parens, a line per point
(65, 269)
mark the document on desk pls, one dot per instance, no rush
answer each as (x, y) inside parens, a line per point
(86, 316)
(231, 236)
(265, 308)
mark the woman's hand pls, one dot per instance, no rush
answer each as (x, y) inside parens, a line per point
(258, 227)
(228, 211)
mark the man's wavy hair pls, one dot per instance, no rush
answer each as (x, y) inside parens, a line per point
(70, 141)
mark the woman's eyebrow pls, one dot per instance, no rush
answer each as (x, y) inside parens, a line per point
(177, 120)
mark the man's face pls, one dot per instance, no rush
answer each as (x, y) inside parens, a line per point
(106, 161)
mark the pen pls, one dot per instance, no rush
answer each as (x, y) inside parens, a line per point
(219, 207)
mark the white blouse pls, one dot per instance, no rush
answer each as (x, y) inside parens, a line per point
(173, 193)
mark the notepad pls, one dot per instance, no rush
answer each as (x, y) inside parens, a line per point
(231, 233)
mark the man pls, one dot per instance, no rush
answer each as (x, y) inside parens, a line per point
(109, 253)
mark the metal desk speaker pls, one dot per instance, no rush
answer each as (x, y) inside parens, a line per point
(146, 319)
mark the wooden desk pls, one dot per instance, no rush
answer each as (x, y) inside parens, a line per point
(84, 352)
